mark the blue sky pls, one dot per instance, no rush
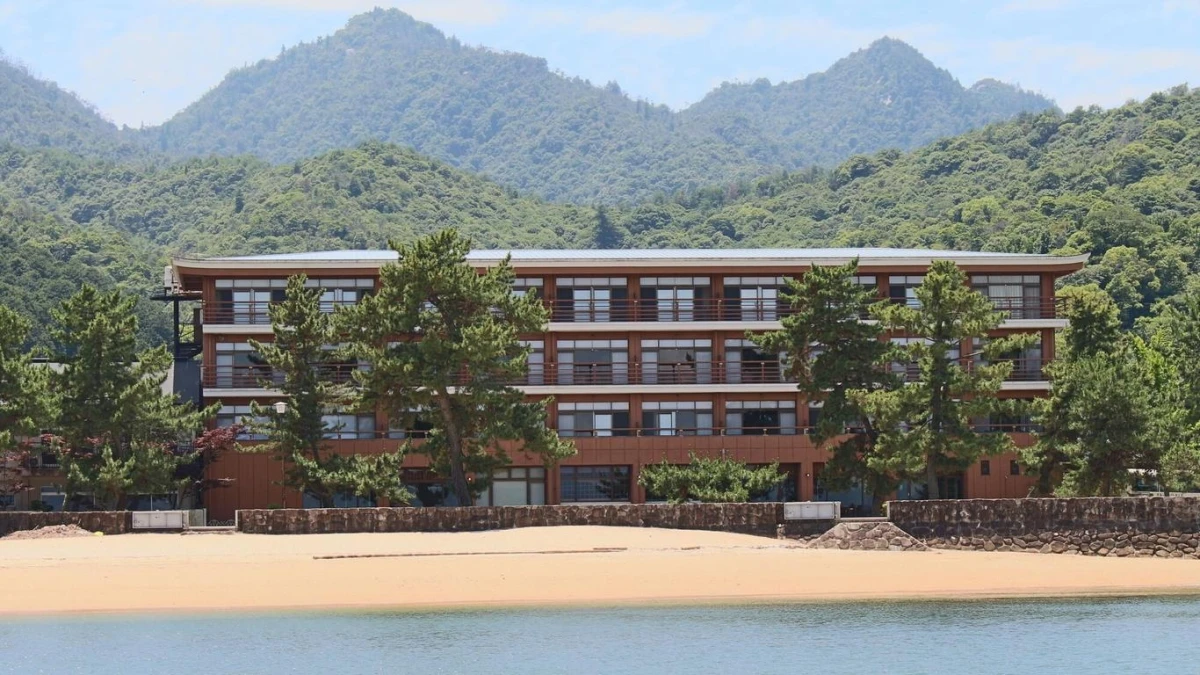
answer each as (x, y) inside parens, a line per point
(140, 61)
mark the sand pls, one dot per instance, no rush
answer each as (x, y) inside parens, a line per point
(536, 566)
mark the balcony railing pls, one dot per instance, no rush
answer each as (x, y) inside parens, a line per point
(252, 313)
(641, 310)
(1024, 370)
(264, 377)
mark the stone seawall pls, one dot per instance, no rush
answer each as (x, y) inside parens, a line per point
(108, 522)
(1165, 527)
(760, 518)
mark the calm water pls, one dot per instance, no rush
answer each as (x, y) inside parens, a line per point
(1109, 636)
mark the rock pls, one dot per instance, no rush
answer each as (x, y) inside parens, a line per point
(1057, 547)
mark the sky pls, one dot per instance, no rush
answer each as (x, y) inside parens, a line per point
(141, 61)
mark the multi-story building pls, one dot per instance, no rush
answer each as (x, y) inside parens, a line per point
(645, 355)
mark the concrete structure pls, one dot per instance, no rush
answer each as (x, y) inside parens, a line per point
(645, 355)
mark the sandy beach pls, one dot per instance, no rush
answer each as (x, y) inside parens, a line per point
(542, 566)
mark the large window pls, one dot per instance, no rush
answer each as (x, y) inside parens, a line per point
(591, 299)
(903, 289)
(745, 363)
(341, 292)
(760, 418)
(239, 365)
(676, 361)
(345, 426)
(753, 298)
(341, 501)
(523, 286)
(1018, 295)
(230, 415)
(677, 418)
(1027, 363)
(676, 298)
(595, 483)
(247, 301)
(535, 362)
(515, 486)
(593, 362)
(593, 419)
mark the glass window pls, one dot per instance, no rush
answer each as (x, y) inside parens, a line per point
(579, 299)
(1020, 295)
(535, 362)
(676, 298)
(593, 419)
(676, 361)
(903, 289)
(348, 426)
(595, 483)
(745, 363)
(523, 286)
(677, 418)
(589, 362)
(749, 418)
(230, 415)
(515, 486)
(753, 298)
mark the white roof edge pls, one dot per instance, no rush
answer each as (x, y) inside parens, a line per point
(642, 258)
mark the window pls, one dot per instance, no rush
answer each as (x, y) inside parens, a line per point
(783, 491)
(581, 299)
(8, 502)
(1014, 468)
(745, 363)
(676, 298)
(341, 292)
(593, 419)
(515, 486)
(230, 415)
(247, 301)
(903, 289)
(1026, 363)
(749, 418)
(593, 362)
(523, 286)
(985, 467)
(677, 418)
(52, 497)
(535, 362)
(428, 488)
(239, 365)
(676, 361)
(595, 483)
(753, 298)
(411, 427)
(339, 426)
(911, 370)
(1019, 295)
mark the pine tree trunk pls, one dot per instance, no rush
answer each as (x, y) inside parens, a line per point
(458, 476)
(931, 479)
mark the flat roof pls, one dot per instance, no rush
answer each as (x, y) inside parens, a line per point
(643, 257)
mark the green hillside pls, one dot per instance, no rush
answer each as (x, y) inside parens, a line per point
(38, 114)
(388, 77)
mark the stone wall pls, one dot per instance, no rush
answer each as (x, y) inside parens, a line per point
(760, 519)
(1166, 527)
(108, 522)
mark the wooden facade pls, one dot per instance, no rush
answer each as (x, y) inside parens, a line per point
(703, 311)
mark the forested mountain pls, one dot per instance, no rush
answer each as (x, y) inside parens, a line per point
(1122, 184)
(386, 76)
(38, 114)
(884, 96)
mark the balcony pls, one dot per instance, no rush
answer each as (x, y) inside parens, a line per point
(264, 377)
(1024, 370)
(233, 313)
(1015, 309)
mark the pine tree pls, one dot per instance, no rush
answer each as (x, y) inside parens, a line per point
(109, 396)
(707, 479)
(830, 352)
(928, 426)
(303, 362)
(442, 340)
(25, 403)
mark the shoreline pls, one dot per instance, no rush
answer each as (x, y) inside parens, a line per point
(530, 569)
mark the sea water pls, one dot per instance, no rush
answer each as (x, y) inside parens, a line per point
(1132, 635)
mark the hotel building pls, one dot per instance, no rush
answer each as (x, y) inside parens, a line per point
(645, 356)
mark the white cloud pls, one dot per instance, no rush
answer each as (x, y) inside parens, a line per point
(461, 12)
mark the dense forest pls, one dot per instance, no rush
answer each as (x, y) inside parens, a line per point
(388, 77)
(1122, 184)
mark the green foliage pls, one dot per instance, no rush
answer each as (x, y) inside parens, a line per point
(928, 426)
(25, 402)
(830, 352)
(456, 376)
(708, 479)
(114, 423)
(302, 362)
